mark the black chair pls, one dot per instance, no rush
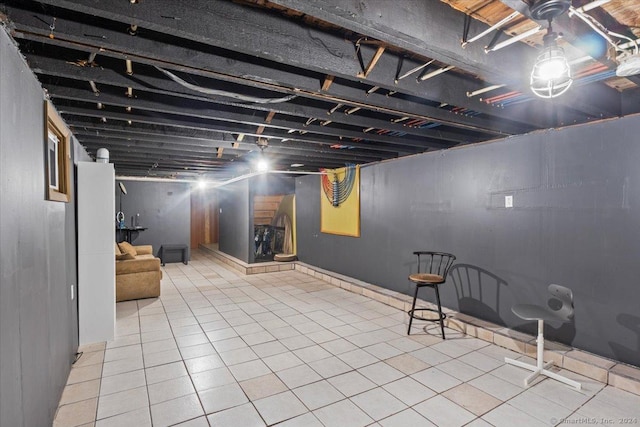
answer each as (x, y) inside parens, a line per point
(436, 268)
(535, 312)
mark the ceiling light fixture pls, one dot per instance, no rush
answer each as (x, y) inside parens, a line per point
(551, 74)
(262, 165)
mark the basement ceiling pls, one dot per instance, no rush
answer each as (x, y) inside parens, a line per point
(202, 88)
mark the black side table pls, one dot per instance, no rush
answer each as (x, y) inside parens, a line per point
(168, 248)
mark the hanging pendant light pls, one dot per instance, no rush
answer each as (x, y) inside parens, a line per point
(551, 74)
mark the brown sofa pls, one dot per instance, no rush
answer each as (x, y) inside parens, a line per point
(138, 272)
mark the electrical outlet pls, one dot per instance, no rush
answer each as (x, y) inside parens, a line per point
(72, 289)
(508, 201)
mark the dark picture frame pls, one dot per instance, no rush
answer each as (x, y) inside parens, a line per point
(57, 141)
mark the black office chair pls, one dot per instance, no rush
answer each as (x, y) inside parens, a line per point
(535, 312)
(437, 265)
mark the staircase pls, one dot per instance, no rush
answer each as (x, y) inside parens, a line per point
(265, 208)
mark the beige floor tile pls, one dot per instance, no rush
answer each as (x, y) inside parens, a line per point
(506, 415)
(338, 346)
(460, 370)
(342, 414)
(165, 372)
(318, 394)
(304, 420)
(539, 407)
(158, 346)
(408, 417)
(312, 353)
(383, 350)
(407, 364)
(196, 422)
(80, 391)
(205, 363)
(239, 355)
(269, 349)
(122, 382)
(156, 335)
(378, 403)
(358, 358)
(248, 370)
(170, 389)
(123, 341)
(199, 350)
(162, 358)
(121, 366)
(430, 356)
(229, 344)
(90, 358)
(121, 402)
(409, 391)
(244, 415)
(175, 411)
(514, 375)
(441, 411)
(330, 367)
(298, 376)
(221, 398)
(452, 348)
(426, 339)
(496, 387)
(481, 361)
(561, 394)
(84, 373)
(436, 380)
(139, 418)
(88, 348)
(472, 399)
(76, 414)
(381, 373)
(296, 342)
(282, 361)
(264, 386)
(191, 340)
(279, 407)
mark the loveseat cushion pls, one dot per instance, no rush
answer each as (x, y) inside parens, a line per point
(121, 255)
(144, 249)
(128, 249)
(140, 263)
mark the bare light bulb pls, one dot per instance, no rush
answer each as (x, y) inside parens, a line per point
(262, 165)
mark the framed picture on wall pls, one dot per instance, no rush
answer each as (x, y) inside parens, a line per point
(57, 156)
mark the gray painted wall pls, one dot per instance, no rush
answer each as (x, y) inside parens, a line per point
(575, 222)
(164, 208)
(234, 221)
(38, 319)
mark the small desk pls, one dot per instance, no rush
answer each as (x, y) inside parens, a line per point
(167, 248)
(127, 232)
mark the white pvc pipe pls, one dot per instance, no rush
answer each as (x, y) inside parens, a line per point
(587, 7)
(491, 28)
(512, 40)
(436, 73)
(484, 90)
(593, 26)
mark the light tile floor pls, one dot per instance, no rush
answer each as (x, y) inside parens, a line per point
(222, 349)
